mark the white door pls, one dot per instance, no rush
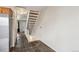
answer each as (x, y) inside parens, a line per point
(4, 33)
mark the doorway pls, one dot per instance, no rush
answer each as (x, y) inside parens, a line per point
(21, 25)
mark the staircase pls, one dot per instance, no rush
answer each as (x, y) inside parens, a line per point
(33, 17)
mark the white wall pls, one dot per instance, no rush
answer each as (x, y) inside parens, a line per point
(59, 28)
(14, 31)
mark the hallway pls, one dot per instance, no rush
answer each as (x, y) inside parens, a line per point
(45, 28)
(36, 46)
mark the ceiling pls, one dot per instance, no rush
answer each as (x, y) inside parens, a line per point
(37, 8)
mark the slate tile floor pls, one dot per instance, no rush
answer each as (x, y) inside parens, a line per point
(36, 46)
